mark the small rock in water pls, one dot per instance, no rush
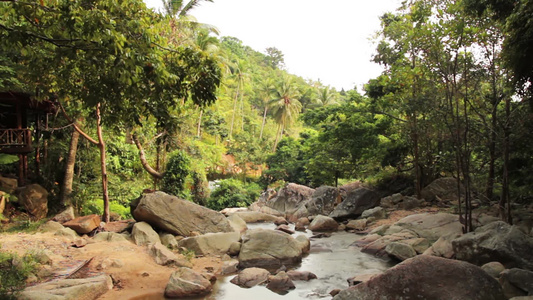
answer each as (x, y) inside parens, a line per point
(285, 228)
(281, 283)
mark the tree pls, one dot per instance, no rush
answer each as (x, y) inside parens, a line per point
(274, 58)
(285, 106)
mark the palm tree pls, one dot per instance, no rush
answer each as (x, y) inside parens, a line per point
(265, 92)
(285, 106)
(326, 96)
(238, 71)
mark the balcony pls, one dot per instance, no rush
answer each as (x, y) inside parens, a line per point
(15, 141)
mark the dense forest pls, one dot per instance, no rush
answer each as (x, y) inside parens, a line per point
(150, 100)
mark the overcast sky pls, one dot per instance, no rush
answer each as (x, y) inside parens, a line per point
(326, 40)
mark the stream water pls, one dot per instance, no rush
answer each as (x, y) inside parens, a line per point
(331, 259)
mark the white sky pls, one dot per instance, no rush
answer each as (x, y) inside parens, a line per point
(326, 40)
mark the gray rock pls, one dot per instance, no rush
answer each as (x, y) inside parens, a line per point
(109, 237)
(428, 277)
(255, 217)
(301, 275)
(163, 256)
(322, 224)
(211, 243)
(83, 289)
(234, 249)
(285, 228)
(323, 201)
(419, 244)
(521, 279)
(229, 267)
(250, 277)
(67, 232)
(290, 197)
(377, 213)
(169, 241)
(50, 226)
(443, 246)
(269, 248)
(304, 242)
(178, 216)
(84, 224)
(441, 190)
(34, 198)
(377, 247)
(497, 241)
(355, 204)
(430, 226)
(143, 234)
(187, 283)
(66, 215)
(237, 223)
(281, 283)
(358, 225)
(8, 185)
(400, 251)
(493, 268)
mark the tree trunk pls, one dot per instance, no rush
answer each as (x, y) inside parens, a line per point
(234, 111)
(263, 124)
(199, 127)
(144, 161)
(101, 147)
(505, 214)
(66, 189)
(277, 138)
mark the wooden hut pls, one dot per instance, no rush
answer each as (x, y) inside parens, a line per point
(21, 119)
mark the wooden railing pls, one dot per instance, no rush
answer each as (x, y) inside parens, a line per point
(15, 138)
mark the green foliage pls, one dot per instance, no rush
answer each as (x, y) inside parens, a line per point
(95, 206)
(177, 170)
(6, 159)
(286, 164)
(233, 193)
(14, 271)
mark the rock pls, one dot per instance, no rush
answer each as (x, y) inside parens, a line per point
(442, 247)
(400, 251)
(255, 217)
(229, 267)
(187, 283)
(34, 198)
(84, 224)
(3, 201)
(497, 241)
(280, 221)
(265, 196)
(301, 275)
(110, 263)
(271, 211)
(323, 201)
(428, 277)
(334, 292)
(281, 283)
(419, 244)
(178, 216)
(367, 239)
(50, 226)
(357, 279)
(430, 226)
(521, 279)
(234, 249)
(355, 204)
(119, 226)
(163, 256)
(169, 241)
(211, 243)
(493, 268)
(522, 298)
(231, 210)
(285, 228)
(349, 187)
(442, 190)
(301, 223)
(380, 229)
(66, 215)
(250, 277)
(8, 185)
(290, 197)
(67, 232)
(378, 246)
(376, 213)
(269, 248)
(237, 223)
(304, 242)
(109, 237)
(391, 201)
(143, 234)
(84, 289)
(300, 212)
(411, 202)
(322, 223)
(358, 225)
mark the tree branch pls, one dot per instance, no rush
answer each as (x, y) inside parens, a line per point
(144, 162)
(78, 129)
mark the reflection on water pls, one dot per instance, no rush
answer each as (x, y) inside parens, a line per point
(332, 259)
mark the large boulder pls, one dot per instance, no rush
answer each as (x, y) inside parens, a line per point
(237, 223)
(8, 185)
(400, 251)
(211, 243)
(323, 201)
(428, 277)
(441, 190)
(187, 283)
(82, 289)
(263, 199)
(520, 280)
(356, 202)
(250, 277)
(322, 223)
(290, 197)
(269, 249)
(497, 241)
(430, 226)
(255, 217)
(34, 198)
(143, 234)
(163, 256)
(84, 224)
(66, 215)
(178, 216)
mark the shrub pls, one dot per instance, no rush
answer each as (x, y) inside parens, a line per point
(178, 168)
(233, 193)
(14, 271)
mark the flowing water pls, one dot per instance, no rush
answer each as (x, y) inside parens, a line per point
(332, 259)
